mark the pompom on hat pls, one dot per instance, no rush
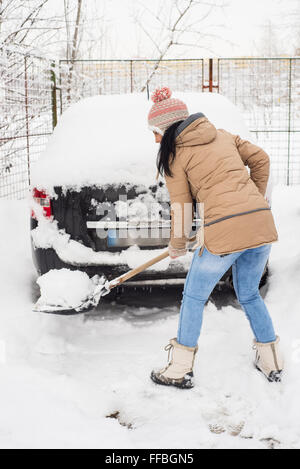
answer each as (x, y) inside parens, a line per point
(165, 111)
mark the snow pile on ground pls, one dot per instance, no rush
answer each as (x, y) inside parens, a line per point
(83, 381)
(64, 288)
(100, 140)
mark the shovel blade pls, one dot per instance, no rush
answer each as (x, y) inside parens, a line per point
(101, 288)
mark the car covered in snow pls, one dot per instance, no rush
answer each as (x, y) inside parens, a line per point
(97, 205)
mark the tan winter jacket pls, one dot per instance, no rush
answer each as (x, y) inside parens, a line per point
(210, 167)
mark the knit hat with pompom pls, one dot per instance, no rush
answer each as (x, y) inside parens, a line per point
(165, 110)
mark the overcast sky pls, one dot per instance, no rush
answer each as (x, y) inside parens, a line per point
(244, 25)
(240, 27)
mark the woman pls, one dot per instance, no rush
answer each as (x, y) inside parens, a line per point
(202, 163)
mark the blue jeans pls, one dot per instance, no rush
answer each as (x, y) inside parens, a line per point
(205, 272)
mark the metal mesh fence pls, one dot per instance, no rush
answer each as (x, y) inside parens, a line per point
(267, 90)
(25, 118)
(294, 118)
(85, 78)
(268, 93)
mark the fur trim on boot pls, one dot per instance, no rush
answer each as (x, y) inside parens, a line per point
(179, 370)
(269, 360)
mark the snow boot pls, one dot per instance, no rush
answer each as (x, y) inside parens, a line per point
(269, 360)
(179, 370)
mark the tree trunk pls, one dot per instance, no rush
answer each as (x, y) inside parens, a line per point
(74, 50)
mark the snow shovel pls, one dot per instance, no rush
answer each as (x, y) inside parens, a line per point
(102, 288)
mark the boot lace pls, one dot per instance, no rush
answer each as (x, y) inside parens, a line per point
(168, 349)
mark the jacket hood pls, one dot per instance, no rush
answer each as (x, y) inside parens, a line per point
(195, 130)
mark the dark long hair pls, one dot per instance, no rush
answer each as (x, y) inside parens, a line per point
(167, 150)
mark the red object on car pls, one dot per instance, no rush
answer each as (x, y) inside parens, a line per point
(43, 199)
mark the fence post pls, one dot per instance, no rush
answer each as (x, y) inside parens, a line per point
(53, 95)
(210, 75)
(131, 76)
(289, 122)
(27, 118)
(60, 87)
(210, 85)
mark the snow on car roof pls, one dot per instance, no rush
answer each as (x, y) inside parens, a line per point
(105, 139)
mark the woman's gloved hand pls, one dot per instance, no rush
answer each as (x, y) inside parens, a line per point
(174, 253)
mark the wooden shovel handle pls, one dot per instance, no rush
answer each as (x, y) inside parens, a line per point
(117, 281)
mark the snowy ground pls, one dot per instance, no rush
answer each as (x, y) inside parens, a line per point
(61, 377)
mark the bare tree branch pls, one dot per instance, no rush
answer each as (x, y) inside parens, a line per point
(74, 48)
(66, 12)
(30, 18)
(148, 35)
(176, 27)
